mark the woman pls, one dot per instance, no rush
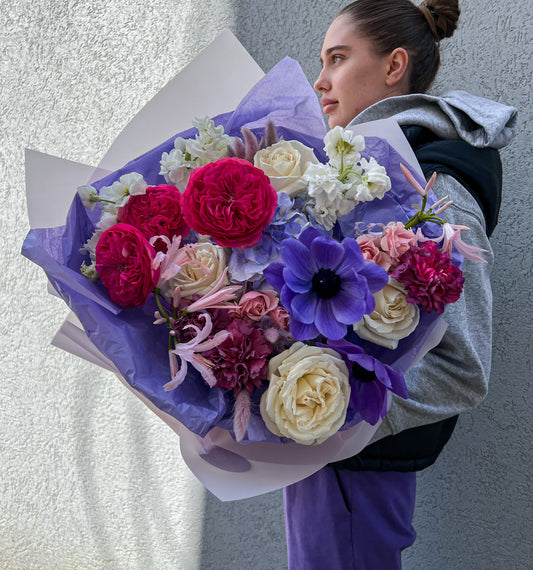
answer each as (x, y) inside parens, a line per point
(378, 58)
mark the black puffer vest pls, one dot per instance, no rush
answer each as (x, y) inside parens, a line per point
(480, 172)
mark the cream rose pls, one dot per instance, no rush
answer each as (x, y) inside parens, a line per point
(284, 163)
(192, 279)
(392, 319)
(308, 394)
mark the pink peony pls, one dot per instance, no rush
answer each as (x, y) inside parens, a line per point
(396, 240)
(255, 304)
(240, 361)
(369, 245)
(430, 277)
(124, 262)
(158, 212)
(231, 201)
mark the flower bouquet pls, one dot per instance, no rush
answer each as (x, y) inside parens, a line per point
(262, 285)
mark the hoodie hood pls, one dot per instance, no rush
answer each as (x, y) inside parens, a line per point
(480, 122)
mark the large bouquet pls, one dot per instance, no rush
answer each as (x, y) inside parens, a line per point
(254, 276)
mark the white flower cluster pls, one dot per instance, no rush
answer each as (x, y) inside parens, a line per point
(209, 145)
(337, 187)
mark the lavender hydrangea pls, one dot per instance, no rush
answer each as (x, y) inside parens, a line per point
(248, 264)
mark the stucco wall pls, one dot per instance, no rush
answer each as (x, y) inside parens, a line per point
(89, 478)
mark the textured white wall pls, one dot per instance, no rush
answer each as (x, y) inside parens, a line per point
(89, 478)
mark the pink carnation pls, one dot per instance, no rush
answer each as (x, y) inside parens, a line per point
(240, 361)
(157, 212)
(255, 304)
(430, 277)
(124, 262)
(231, 201)
(396, 240)
(369, 245)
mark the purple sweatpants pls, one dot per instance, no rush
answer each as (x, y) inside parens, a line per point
(344, 520)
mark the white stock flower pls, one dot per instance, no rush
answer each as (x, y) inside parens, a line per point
(392, 319)
(192, 279)
(342, 147)
(119, 192)
(308, 394)
(89, 196)
(327, 193)
(209, 145)
(375, 182)
(284, 163)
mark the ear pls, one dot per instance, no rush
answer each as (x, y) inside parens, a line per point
(397, 64)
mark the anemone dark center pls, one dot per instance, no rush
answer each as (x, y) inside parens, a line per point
(326, 283)
(362, 374)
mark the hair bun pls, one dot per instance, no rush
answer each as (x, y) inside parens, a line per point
(442, 17)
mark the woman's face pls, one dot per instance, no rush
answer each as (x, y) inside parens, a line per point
(353, 77)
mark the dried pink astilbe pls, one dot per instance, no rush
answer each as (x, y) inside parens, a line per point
(251, 145)
(430, 277)
(241, 414)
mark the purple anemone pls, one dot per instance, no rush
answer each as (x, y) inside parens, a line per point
(370, 380)
(324, 285)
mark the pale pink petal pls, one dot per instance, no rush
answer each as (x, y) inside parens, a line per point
(241, 417)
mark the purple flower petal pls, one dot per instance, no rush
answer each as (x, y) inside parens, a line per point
(304, 307)
(274, 275)
(295, 283)
(346, 308)
(301, 331)
(367, 399)
(286, 296)
(326, 322)
(353, 258)
(328, 253)
(308, 235)
(296, 258)
(375, 275)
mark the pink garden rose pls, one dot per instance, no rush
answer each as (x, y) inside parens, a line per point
(396, 240)
(157, 212)
(124, 262)
(255, 304)
(371, 251)
(229, 200)
(280, 318)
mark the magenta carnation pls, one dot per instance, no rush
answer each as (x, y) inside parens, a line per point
(241, 360)
(124, 262)
(156, 213)
(429, 276)
(231, 201)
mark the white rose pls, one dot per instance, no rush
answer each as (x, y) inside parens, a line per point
(284, 163)
(192, 278)
(393, 318)
(308, 394)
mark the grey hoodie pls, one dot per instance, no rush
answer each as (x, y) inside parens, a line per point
(454, 376)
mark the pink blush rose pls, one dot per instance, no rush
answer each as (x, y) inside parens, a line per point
(397, 240)
(280, 318)
(371, 252)
(229, 200)
(124, 262)
(155, 213)
(255, 304)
